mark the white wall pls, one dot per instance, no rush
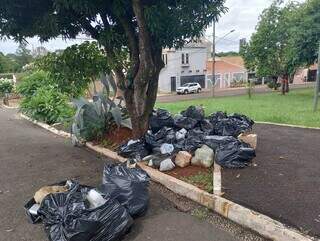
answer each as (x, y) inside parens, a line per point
(174, 68)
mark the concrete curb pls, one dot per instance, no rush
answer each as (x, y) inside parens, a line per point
(9, 107)
(260, 223)
(287, 125)
(47, 127)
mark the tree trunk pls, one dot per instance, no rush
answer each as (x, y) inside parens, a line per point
(275, 82)
(141, 99)
(283, 87)
(285, 84)
(139, 84)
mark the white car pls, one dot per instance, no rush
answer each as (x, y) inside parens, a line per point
(189, 88)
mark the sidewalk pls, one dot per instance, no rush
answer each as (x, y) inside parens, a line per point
(30, 157)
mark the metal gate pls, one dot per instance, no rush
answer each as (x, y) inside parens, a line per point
(194, 79)
(173, 84)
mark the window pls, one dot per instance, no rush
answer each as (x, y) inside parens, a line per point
(197, 71)
(187, 58)
(182, 71)
(182, 58)
(165, 59)
(238, 77)
(190, 71)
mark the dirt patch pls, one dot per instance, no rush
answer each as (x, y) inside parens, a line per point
(199, 176)
(186, 171)
(115, 137)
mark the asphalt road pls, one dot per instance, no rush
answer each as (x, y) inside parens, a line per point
(284, 183)
(31, 157)
(220, 93)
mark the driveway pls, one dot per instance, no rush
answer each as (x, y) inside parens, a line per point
(30, 157)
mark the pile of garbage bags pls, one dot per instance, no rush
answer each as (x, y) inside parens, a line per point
(188, 131)
(84, 213)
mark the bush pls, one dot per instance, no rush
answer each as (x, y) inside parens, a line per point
(273, 85)
(75, 68)
(6, 86)
(47, 105)
(31, 82)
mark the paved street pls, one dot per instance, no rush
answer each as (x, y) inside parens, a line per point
(222, 92)
(31, 157)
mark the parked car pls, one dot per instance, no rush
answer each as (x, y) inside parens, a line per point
(189, 88)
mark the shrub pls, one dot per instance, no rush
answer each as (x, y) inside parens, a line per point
(47, 105)
(31, 82)
(6, 86)
(75, 68)
(93, 119)
(273, 85)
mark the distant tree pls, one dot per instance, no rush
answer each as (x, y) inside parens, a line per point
(230, 53)
(133, 34)
(12, 64)
(269, 51)
(7, 64)
(248, 56)
(39, 52)
(3, 63)
(23, 55)
(305, 34)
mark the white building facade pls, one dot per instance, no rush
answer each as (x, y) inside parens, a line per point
(184, 65)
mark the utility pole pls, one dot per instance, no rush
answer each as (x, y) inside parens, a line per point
(317, 88)
(213, 57)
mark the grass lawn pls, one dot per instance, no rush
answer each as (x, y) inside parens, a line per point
(294, 108)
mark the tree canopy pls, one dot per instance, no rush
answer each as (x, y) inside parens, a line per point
(75, 68)
(286, 38)
(305, 37)
(133, 34)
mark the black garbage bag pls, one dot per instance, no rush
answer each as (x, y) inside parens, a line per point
(234, 154)
(185, 122)
(215, 141)
(164, 135)
(206, 126)
(68, 217)
(194, 112)
(194, 140)
(129, 186)
(160, 118)
(231, 127)
(133, 149)
(215, 117)
(34, 217)
(245, 119)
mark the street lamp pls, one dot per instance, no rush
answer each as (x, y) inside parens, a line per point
(214, 42)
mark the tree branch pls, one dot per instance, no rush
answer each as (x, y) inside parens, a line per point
(133, 44)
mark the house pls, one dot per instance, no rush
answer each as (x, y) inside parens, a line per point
(229, 72)
(184, 65)
(304, 75)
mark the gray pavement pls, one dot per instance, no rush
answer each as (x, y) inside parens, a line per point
(31, 157)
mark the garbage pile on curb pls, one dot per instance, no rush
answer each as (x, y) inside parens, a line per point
(191, 138)
(74, 212)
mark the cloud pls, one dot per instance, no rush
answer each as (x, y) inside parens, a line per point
(242, 16)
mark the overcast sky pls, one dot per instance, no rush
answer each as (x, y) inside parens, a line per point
(242, 17)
